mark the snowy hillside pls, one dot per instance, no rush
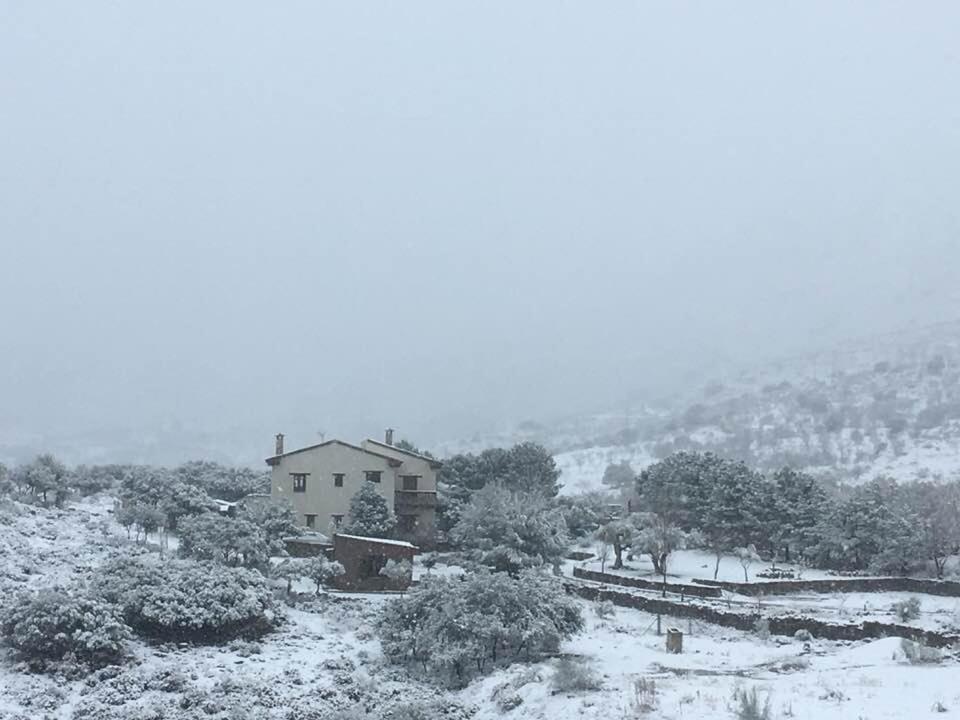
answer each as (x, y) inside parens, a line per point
(888, 405)
(325, 663)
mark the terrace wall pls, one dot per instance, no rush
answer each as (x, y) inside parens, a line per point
(841, 585)
(679, 589)
(779, 625)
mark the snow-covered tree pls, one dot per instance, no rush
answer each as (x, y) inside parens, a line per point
(322, 571)
(276, 519)
(6, 484)
(737, 504)
(583, 513)
(747, 556)
(620, 477)
(46, 476)
(507, 530)
(291, 570)
(933, 511)
(370, 516)
(222, 481)
(799, 505)
(658, 538)
(619, 535)
(398, 573)
(231, 541)
(527, 467)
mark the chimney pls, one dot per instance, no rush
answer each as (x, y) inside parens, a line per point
(388, 436)
(279, 444)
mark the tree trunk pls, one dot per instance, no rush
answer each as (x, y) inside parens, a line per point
(618, 551)
(746, 578)
(716, 568)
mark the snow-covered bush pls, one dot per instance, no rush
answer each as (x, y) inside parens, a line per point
(907, 610)
(575, 675)
(185, 600)
(918, 654)
(52, 624)
(604, 609)
(470, 623)
(398, 573)
(232, 541)
(747, 705)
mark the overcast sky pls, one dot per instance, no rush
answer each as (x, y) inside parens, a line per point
(441, 215)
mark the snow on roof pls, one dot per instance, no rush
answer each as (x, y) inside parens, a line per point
(432, 460)
(274, 459)
(313, 538)
(382, 541)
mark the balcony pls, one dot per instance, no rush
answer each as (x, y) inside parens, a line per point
(409, 499)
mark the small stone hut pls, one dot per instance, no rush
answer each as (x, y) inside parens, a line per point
(364, 557)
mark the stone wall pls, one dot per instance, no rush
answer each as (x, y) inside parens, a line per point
(841, 585)
(686, 590)
(782, 625)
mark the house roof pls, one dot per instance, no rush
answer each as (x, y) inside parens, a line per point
(274, 459)
(433, 461)
(379, 541)
(309, 538)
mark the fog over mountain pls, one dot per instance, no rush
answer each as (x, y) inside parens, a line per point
(224, 220)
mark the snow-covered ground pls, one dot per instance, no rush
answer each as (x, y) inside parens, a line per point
(582, 470)
(325, 662)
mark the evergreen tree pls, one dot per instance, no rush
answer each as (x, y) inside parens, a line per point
(678, 487)
(509, 530)
(619, 477)
(370, 516)
(799, 505)
(46, 475)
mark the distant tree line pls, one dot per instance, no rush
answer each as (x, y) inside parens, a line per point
(727, 506)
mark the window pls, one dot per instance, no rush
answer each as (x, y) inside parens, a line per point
(373, 475)
(299, 481)
(337, 520)
(311, 521)
(409, 481)
(338, 479)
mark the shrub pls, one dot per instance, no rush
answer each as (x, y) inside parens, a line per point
(232, 541)
(604, 609)
(762, 628)
(747, 705)
(919, 654)
(52, 624)
(187, 601)
(803, 635)
(907, 610)
(575, 675)
(644, 698)
(468, 624)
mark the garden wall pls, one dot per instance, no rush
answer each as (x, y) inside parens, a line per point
(691, 590)
(841, 585)
(782, 625)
